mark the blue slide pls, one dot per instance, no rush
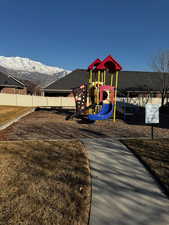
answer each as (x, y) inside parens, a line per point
(105, 113)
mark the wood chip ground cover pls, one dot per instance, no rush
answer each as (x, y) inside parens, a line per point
(52, 125)
(44, 183)
(155, 155)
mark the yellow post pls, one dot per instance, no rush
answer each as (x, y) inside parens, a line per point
(104, 77)
(90, 76)
(97, 88)
(115, 97)
(90, 83)
(99, 76)
(111, 82)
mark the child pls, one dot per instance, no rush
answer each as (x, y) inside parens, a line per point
(105, 98)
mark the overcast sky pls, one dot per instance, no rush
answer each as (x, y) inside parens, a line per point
(71, 34)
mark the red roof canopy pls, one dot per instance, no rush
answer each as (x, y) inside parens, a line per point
(109, 63)
(94, 64)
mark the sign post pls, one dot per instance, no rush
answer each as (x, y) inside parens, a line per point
(152, 116)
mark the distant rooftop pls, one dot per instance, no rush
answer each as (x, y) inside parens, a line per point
(127, 80)
(9, 81)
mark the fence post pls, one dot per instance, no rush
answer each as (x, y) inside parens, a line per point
(61, 101)
(16, 99)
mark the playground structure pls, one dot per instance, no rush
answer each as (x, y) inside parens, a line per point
(96, 99)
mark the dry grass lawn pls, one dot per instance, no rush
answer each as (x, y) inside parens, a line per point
(43, 183)
(8, 113)
(155, 155)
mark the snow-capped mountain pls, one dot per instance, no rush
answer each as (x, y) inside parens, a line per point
(27, 69)
(25, 64)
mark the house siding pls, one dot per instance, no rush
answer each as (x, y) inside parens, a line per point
(7, 90)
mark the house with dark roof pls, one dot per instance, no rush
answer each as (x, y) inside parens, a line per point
(64, 86)
(131, 83)
(10, 85)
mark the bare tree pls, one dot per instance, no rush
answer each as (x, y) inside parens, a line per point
(32, 88)
(160, 63)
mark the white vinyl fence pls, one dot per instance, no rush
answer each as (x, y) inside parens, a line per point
(36, 101)
(65, 102)
(140, 101)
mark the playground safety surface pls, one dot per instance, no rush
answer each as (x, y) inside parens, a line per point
(46, 124)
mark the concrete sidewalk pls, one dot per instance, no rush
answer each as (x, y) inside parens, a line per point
(123, 191)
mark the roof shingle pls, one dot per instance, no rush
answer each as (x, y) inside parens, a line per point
(9, 81)
(131, 80)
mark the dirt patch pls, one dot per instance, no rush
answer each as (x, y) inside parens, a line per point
(52, 125)
(44, 182)
(155, 155)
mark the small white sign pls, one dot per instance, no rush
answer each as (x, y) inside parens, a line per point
(152, 113)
